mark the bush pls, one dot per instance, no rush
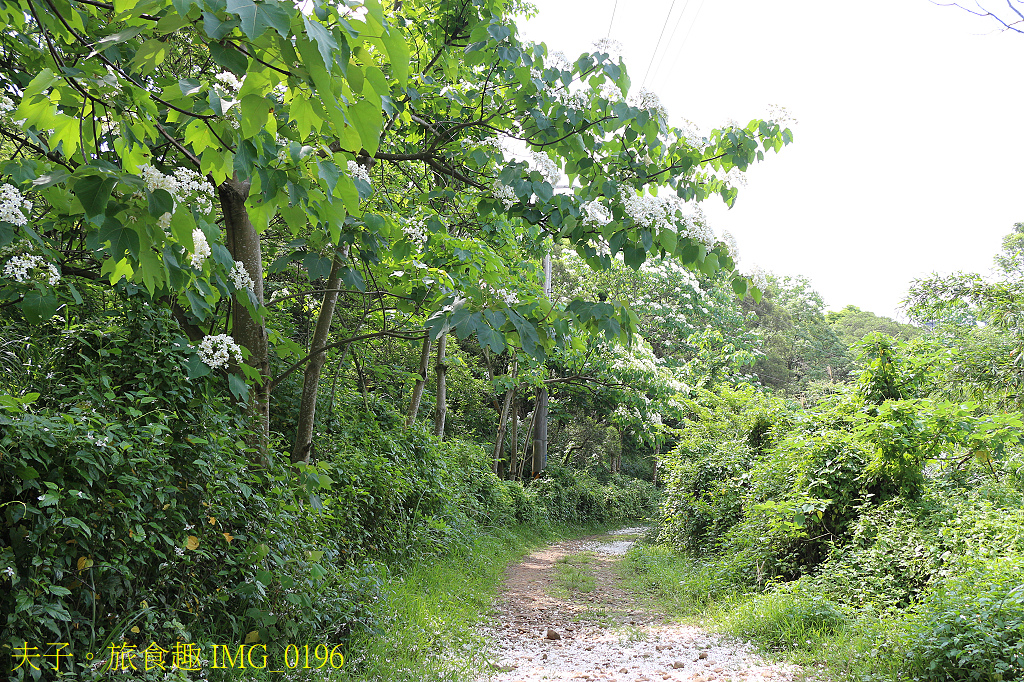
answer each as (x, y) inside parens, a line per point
(971, 626)
(787, 618)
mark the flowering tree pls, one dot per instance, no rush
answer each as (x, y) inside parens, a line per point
(154, 142)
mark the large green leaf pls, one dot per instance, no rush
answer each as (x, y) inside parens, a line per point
(93, 191)
(121, 238)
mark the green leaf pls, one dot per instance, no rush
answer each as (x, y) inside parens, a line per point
(368, 121)
(160, 202)
(38, 307)
(196, 368)
(121, 238)
(189, 86)
(93, 191)
(398, 55)
(324, 40)
(255, 111)
(238, 387)
(317, 266)
(230, 58)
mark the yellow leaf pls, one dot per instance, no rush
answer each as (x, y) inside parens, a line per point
(144, 604)
(193, 542)
(253, 636)
(84, 563)
(228, 536)
(166, 506)
(212, 520)
(136, 629)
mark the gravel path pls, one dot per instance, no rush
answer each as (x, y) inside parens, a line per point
(604, 634)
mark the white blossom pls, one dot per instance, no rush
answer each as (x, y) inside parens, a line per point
(357, 170)
(575, 100)
(240, 278)
(164, 222)
(548, 168)
(19, 267)
(228, 83)
(780, 115)
(730, 242)
(648, 99)
(557, 60)
(610, 91)
(202, 249)
(415, 229)
(612, 48)
(505, 194)
(595, 212)
(13, 206)
(217, 351)
(6, 106)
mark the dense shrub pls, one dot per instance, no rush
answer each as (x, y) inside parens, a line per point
(971, 625)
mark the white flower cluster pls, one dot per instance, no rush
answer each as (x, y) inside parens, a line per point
(595, 212)
(18, 268)
(730, 242)
(610, 91)
(357, 170)
(240, 278)
(201, 250)
(504, 193)
(282, 293)
(13, 206)
(648, 99)
(227, 83)
(575, 100)
(780, 115)
(6, 106)
(548, 168)
(612, 48)
(185, 186)
(691, 132)
(217, 351)
(759, 277)
(557, 60)
(415, 229)
(665, 212)
(283, 152)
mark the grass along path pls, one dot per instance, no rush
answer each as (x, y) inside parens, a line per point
(564, 616)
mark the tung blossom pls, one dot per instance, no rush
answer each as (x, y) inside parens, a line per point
(202, 249)
(217, 351)
(19, 267)
(13, 206)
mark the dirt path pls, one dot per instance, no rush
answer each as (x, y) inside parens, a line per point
(555, 623)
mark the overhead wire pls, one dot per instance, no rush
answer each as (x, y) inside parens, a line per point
(612, 21)
(658, 44)
(671, 37)
(693, 23)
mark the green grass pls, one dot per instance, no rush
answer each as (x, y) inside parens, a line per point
(830, 642)
(574, 574)
(430, 614)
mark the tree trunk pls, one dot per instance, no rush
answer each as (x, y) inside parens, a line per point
(515, 431)
(540, 433)
(311, 376)
(499, 439)
(417, 390)
(442, 373)
(244, 244)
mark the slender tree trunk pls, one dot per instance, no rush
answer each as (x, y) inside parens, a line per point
(540, 433)
(244, 244)
(441, 368)
(417, 390)
(311, 376)
(499, 438)
(514, 436)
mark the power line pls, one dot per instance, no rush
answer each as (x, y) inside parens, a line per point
(614, 7)
(658, 44)
(688, 31)
(671, 37)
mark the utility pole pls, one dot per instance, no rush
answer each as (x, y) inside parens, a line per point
(540, 429)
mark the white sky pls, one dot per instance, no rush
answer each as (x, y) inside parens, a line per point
(908, 153)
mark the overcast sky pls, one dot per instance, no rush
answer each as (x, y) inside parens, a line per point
(908, 152)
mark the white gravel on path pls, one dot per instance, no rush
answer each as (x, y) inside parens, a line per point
(605, 635)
